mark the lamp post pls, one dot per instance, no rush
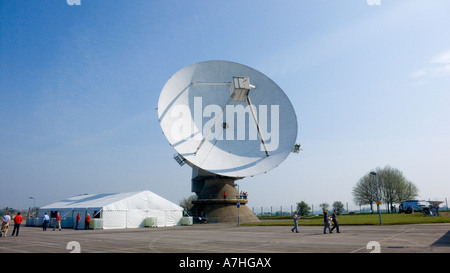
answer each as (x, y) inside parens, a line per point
(378, 196)
(34, 202)
(238, 205)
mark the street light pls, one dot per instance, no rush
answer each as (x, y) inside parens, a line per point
(238, 205)
(378, 196)
(34, 202)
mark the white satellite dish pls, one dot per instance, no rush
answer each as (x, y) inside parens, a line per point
(227, 121)
(227, 118)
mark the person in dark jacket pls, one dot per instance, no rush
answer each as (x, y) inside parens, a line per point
(335, 222)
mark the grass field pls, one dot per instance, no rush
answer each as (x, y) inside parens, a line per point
(358, 219)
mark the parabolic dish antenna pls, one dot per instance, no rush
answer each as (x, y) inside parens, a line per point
(227, 118)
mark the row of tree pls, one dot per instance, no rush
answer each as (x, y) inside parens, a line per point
(304, 209)
(393, 188)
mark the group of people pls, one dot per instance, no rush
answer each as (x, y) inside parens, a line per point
(6, 219)
(87, 221)
(46, 222)
(326, 220)
(243, 195)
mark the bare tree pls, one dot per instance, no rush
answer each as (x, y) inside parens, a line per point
(391, 181)
(406, 190)
(393, 188)
(364, 193)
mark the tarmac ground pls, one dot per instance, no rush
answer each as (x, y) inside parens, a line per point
(230, 238)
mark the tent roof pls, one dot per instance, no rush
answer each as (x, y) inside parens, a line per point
(143, 200)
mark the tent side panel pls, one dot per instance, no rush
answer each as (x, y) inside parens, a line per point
(136, 218)
(160, 217)
(166, 218)
(114, 219)
(173, 217)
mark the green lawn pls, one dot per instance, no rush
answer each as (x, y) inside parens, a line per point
(359, 219)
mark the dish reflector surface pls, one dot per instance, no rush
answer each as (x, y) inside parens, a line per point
(227, 118)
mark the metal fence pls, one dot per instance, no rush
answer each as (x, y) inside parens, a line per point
(287, 210)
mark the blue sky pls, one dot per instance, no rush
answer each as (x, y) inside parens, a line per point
(79, 86)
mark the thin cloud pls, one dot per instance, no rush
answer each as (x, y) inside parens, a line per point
(439, 67)
(443, 58)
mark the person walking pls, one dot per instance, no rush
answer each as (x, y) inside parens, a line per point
(326, 222)
(17, 222)
(57, 222)
(77, 221)
(335, 222)
(45, 222)
(5, 224)
(295, 222)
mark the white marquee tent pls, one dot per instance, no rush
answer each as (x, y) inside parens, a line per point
(116, 210)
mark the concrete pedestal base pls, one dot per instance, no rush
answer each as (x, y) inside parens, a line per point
(214, 204)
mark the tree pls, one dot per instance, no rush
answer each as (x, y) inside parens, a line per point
(364, 193)
(324, 206)
(407, 191)
(390, 180)
(393, 188)
(186, 203)
(338, 206)
(303, 208)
